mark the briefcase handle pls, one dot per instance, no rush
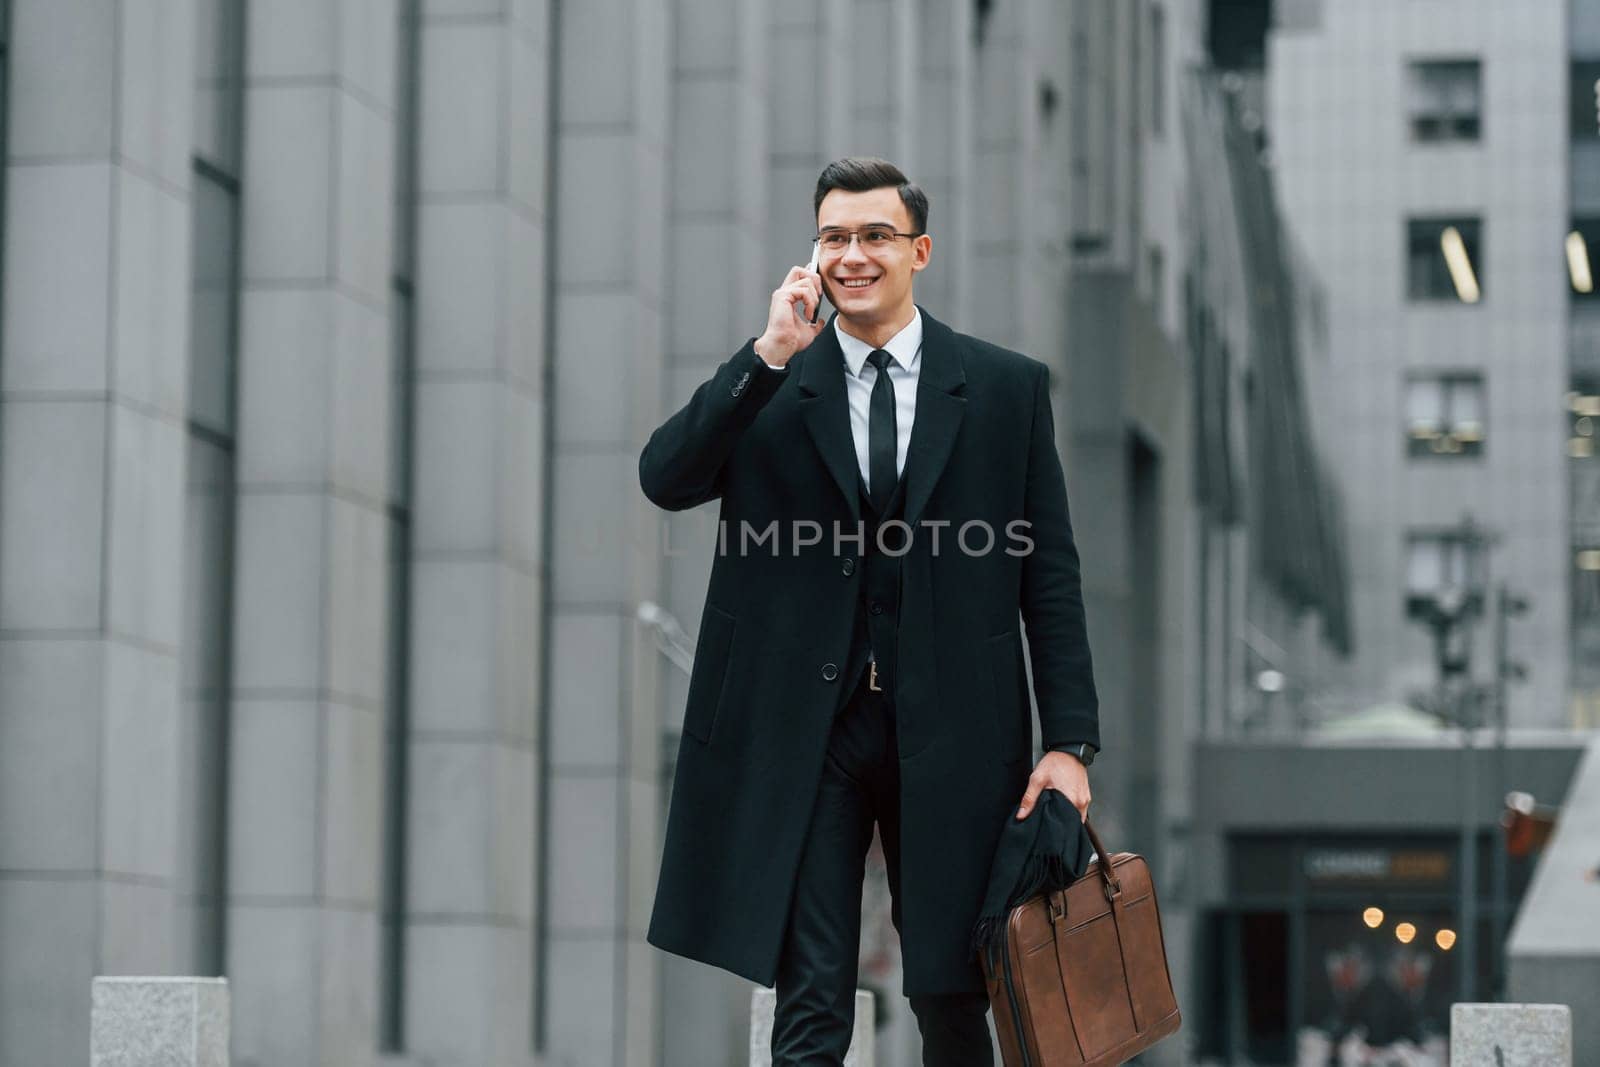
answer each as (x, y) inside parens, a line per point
(1107, 877)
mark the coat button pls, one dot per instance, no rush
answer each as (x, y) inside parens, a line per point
(829, 672)
(848, 567)
(877, 608)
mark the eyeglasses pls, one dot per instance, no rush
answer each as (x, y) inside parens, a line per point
(871, 238)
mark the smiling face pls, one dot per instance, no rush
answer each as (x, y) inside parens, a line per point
(871, 287)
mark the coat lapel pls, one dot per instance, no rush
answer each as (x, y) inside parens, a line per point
(826, 411)
(933, 433)
(939, 410)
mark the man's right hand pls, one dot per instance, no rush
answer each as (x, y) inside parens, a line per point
(787, 333)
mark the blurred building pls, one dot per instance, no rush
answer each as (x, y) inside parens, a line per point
(1352, 881)
(339, 651)
(1419, 151)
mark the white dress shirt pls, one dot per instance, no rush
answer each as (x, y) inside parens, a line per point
(905, 348)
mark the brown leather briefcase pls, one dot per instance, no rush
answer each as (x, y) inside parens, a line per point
(1081, 975)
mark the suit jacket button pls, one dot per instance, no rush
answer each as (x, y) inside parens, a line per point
(848, 567)
(829, 672)
(877, 608)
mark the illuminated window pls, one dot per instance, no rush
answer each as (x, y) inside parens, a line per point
(1444, 415)
(1581, 245)
(1444, 259)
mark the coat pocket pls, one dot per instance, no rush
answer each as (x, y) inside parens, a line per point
(1009, 711)
(710, 673)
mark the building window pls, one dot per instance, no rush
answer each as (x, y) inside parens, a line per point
(1444, 414)
(1585, 100)
(1444, 259)
(1446, 99)
(1582, 243)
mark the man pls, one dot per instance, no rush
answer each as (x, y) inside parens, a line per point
(891, 503)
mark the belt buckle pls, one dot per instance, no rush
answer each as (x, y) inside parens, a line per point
(872, 677)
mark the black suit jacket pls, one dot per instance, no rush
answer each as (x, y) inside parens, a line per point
(991, 556)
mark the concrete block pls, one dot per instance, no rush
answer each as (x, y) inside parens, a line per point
(595, 523)
(585, 719)
(702, 179)
(603, 89)
(595, 334)
(356, 618)
(287, 213)
(292, 39)
(61, 87)
(156, 94)
(272, 810)
(460, 251)
(50, 736)
(144, 544)
(58, 222)
(584, 877)
(362, 380)
(448, 813)
(520, 493)
(525, 355)
(367, 35)
(462, 107)
(452, 624)
(281, 577)
(364, 221)
(455, 466)
(152, 283)
(285, 351)
(352, 817)
(138, 763)
(595, 181)
(159, 1022)
(271, 951)
(584, 1007)
(764, 1001)
(1508, 1035)
(52, 512)
(42, 1006)
(527, 122)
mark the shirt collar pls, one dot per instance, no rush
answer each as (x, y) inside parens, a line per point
(903, 347)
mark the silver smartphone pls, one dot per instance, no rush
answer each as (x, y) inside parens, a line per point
(799, 305)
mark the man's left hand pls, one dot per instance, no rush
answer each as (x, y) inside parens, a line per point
(1062, 772)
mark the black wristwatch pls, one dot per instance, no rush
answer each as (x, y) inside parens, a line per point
(1082, 749)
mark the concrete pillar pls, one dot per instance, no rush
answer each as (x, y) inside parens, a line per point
(170, 1022)
(613, 274)
(478, 507)
(727, 58)
(943, 151)
(808, 80)
(1492, 1035)
(93, 392)
(305, 795)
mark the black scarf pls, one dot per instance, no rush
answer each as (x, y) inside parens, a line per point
(1042, 853)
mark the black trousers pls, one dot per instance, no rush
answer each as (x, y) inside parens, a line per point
(817, 968)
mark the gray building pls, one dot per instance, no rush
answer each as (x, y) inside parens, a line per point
(339, 651)
(1420, 156)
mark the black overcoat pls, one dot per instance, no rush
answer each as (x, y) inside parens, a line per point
(776, 447)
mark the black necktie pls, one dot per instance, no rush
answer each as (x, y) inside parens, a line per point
(881, 434)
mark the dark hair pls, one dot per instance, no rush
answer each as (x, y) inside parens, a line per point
(860, 174)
